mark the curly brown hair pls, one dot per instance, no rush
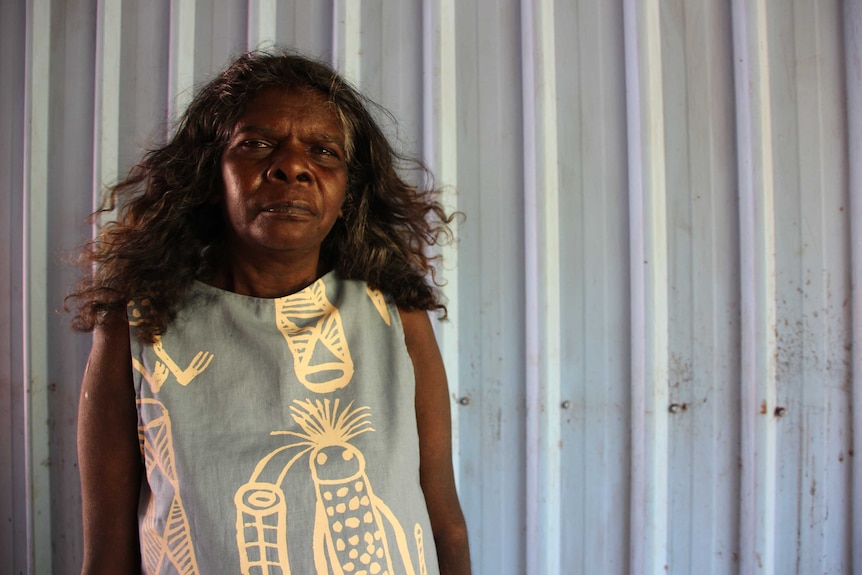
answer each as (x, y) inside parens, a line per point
(168, 230)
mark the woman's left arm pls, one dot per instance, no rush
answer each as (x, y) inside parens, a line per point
(434, 421)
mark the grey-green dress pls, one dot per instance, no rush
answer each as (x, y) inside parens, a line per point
(279, 436)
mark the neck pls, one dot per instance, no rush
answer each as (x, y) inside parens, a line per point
(267, 278)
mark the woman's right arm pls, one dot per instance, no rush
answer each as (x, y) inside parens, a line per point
(109, 456)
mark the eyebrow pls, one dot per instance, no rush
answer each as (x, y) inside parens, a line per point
(321, 136)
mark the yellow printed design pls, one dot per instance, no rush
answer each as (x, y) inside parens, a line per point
(138, 311)
(261, 528)
(167, 549)
(166, 366)
(376, 297)
(349, 531)
(312, 327)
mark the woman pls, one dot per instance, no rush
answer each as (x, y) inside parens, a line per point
(264, 393)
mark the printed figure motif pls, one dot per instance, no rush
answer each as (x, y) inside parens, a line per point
(198, 364)
(165, 365)
(350, 535)
(167, 549)
(312, 327)
(137, 311)
(156, 379)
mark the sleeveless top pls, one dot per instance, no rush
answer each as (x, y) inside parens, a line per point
(279, 436)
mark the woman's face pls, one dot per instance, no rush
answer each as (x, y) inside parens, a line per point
(284, 172)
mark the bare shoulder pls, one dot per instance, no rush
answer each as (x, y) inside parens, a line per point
(434, 422)
(418, 334)
(432, 391)
(108, 452)
(108, 371)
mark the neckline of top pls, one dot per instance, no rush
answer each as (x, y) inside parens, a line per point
(205, 287)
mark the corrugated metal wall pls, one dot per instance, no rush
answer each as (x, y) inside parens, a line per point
(653, 294)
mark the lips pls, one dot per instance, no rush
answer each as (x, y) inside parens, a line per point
(288, 208)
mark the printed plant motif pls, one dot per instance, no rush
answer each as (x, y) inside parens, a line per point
(349, 536)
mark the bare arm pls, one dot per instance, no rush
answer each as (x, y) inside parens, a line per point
(435, 445)
(109, 454)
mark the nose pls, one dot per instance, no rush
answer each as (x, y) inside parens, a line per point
(289, 164)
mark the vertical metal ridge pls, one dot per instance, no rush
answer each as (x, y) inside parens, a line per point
(638, 396)
(757, 277)
(853, 68)
(37, 92)
(814, 442)
(106, 152)
(262, 19)
(542, 283)
(440, 119)
(478, 63)
(347, 40)
(648, 237)
(181, 58)
(703, 367)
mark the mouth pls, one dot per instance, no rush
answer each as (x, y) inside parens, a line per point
(289, 208)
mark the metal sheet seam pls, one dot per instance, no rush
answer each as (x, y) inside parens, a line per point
(656, 286)
(440, 129)
(757, 276)
(542, 283)
(107, 105)
(347, 39)
(638, 367)
(853, 63)
(648, 244)
(261, 24)
(182, 58)
(35, 299)
(531, 292)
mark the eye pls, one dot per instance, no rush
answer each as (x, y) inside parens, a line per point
(326, 153)
(254, 144)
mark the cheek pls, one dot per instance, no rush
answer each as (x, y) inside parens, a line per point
(217, 188)
(230, 203)
(230, 179)
(229, 191)
(226, 182)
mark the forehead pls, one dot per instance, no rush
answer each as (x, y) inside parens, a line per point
(286, 107)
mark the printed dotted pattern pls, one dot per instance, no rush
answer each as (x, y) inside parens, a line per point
(356, 535)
